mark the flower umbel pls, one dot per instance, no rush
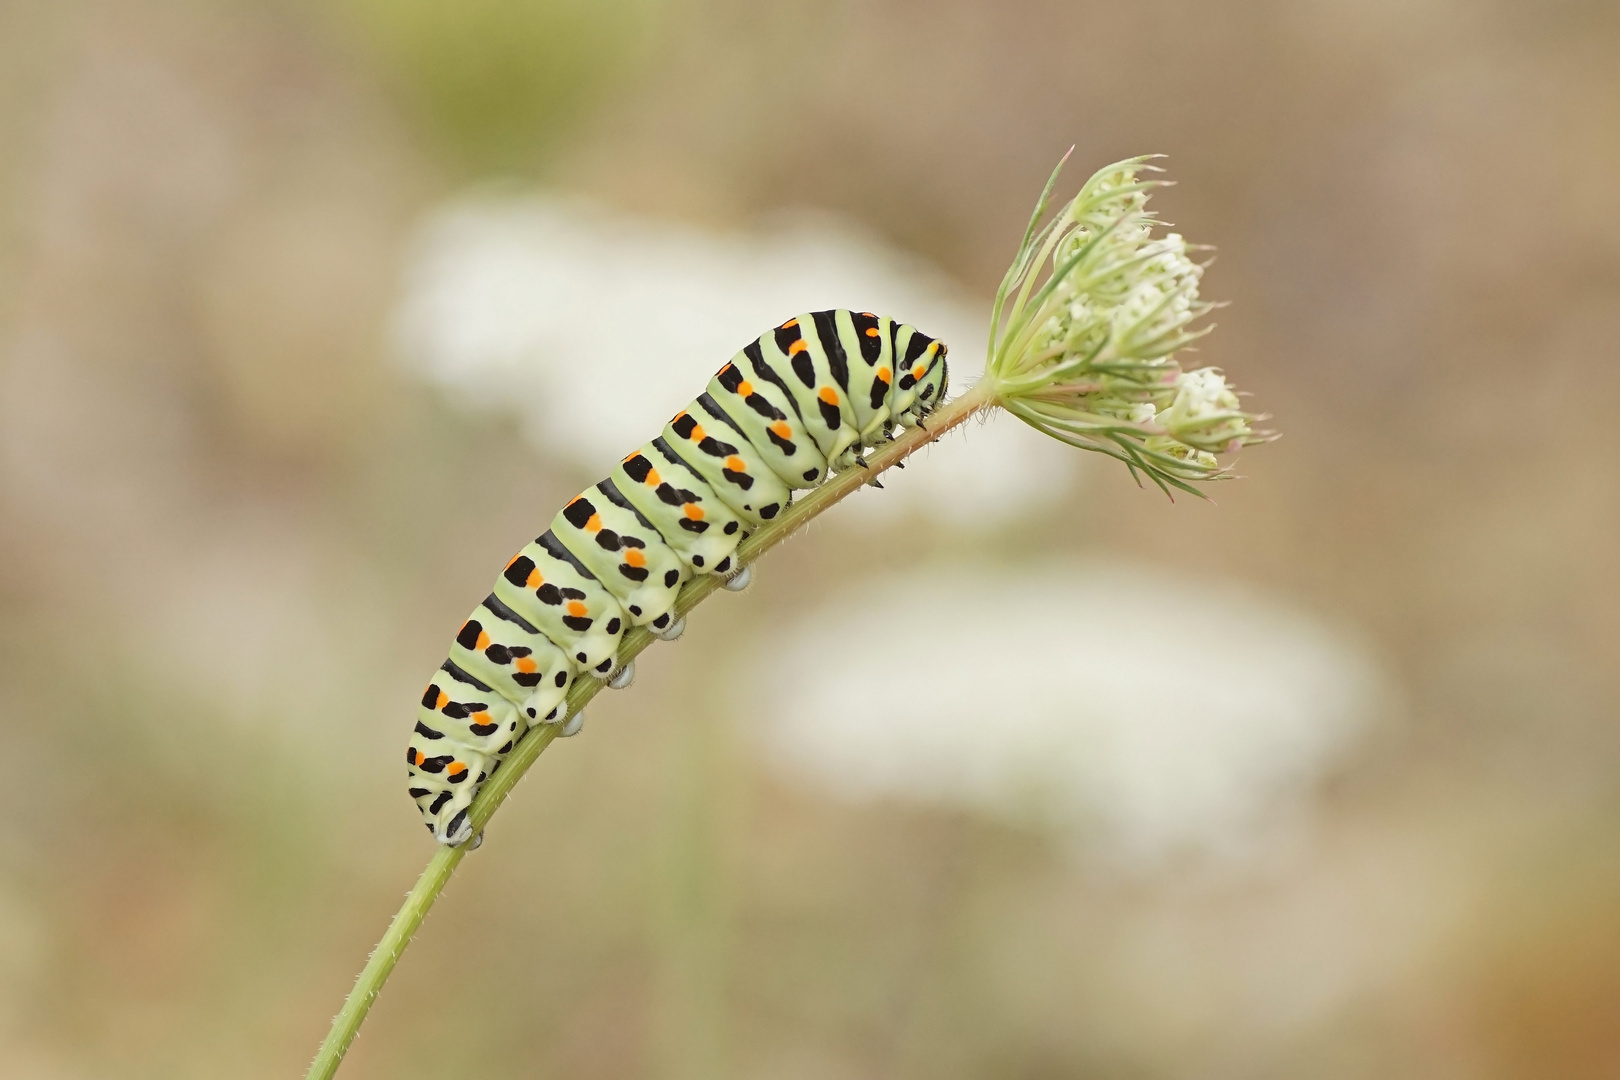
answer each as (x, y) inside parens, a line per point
(1085, 330)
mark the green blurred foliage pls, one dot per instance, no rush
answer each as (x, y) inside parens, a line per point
(496, 80)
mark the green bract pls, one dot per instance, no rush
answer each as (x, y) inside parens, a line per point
(1085, 328)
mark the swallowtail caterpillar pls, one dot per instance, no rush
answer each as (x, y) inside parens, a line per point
(798, 403)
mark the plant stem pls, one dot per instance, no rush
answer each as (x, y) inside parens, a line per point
(495, 789)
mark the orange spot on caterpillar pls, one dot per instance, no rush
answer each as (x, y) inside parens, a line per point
(483, 641)
(790, 324)
(693, 511)
(525, 665)
(698, 434)
(745, 389)
(884, 375)
(871, 331)
(595, 524)
(829, 395)
(457, 768)
(534, 580)
(577, 609)
(919, 371)
(442, 701)
(653, 479)
(635, 558)
(797, 347)
(781, 430)
(736, 464)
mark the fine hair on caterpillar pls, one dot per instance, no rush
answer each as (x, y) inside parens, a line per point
(802, 401)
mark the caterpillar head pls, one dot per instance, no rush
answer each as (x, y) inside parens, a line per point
(935, 383)
(921, 377)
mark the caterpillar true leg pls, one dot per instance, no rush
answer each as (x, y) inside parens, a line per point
(802, 400)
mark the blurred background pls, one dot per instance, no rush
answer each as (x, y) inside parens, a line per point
(311, 314)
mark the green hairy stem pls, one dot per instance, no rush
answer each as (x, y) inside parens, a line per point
(495, 789)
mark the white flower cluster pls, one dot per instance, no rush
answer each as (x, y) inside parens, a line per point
(1205, 413)
(1085, 351)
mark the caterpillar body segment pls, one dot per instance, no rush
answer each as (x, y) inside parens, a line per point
(691, 519)
(549, 586)
(770, 422)
(818, 381)
(846, 338)
(463, 729)
(500, 647)
(803, 400)
(869, 345)
(709, 441)
(624, 552)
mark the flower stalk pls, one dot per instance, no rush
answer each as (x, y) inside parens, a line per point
(1084, 332)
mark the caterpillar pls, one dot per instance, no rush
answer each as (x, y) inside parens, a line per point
(799, 402)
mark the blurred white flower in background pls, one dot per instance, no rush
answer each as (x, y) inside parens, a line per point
(1144, 712)
(595, 327)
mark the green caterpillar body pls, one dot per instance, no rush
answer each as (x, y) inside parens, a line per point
(799, 402)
